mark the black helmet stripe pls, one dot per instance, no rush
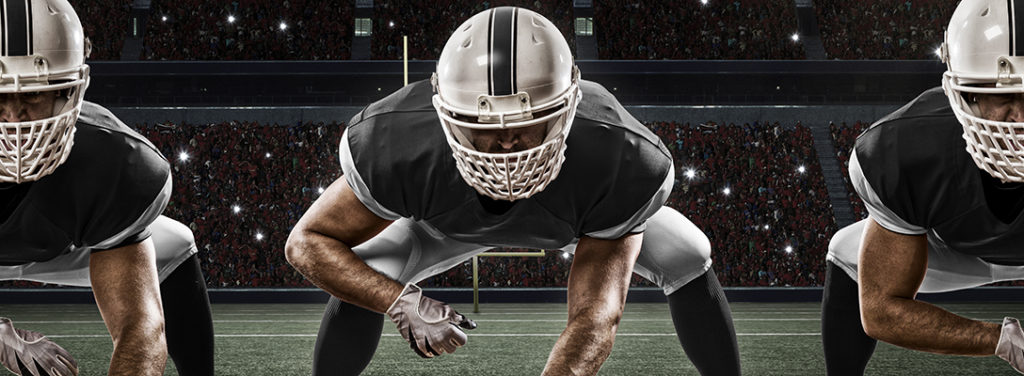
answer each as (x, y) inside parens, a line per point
(1016, 25)
(501, 51)
(17, 27)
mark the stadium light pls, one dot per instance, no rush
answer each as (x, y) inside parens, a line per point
(789, 249)
(236, 209)
(690, 174)
(283, 26)
(320, 190)
(938, 51)
(801, 169)
(727, 191)
(183, 156)
(796, 37)
(259, 236)
(231, 19)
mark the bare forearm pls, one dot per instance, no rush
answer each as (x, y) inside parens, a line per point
(921, 326)
(581, 349)
(332, 266)
(140, 351)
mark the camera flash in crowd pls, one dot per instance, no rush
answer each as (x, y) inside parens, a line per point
(183, 156)
(283, 26)
(789, 249)
(796, 37)
(727, 191)
(690, 173)
(259, 236)
(231, 19)
(801, 169)
(236, 209)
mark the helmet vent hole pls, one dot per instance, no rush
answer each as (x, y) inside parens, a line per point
(984, 13)
(533, 38)
(49, 7)
(467, 27)
(466, 43)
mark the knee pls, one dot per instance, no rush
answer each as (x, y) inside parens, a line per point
(172, 238)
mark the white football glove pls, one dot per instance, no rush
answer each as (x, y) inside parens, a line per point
(431, 327)
(1011, 344)
(26, 353)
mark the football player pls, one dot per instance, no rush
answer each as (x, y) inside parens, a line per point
(80, 202)
(504, 146)
(942, 181)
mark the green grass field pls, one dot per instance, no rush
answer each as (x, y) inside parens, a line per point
(514, 339)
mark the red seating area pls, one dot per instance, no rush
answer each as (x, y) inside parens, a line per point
(106, 24)
(654, 30)
(249, 30)
(844, 137)
(909, 29)
(431, 22)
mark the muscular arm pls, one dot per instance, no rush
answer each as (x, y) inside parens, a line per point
(319, 247)
(598, 282)
(892, 267)
(125, 283)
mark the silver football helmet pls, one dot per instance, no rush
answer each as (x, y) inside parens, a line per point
(507, 68)
(984, 54)
(44, 50)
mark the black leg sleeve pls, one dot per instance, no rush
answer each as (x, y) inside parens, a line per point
(347, 339)
(847, 348)
(703, 323)
(187, 320)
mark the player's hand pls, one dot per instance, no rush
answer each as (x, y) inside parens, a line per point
(1011, 344)
(431, 327)
(26, 353)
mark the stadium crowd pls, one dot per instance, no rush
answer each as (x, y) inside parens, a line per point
(844, 136)
(755, 189)
(752, 29)
(104, 23)
(249, 30)
(429, 25)
(241, 187)
(909, 29)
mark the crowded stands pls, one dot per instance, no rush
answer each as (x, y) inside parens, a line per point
(104, 22)
(249, 30)
(844, 136)
(429, 24)
(910, 29)
(653, 30)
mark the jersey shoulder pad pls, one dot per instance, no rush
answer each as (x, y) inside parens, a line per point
(915, 160)
(613, 166)
(400, 153)
(111, 179)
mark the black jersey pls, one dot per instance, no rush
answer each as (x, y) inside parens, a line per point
(615, 175)
(112, 186)
(914, 174)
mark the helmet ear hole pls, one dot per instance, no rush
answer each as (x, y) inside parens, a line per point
(984, 13)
